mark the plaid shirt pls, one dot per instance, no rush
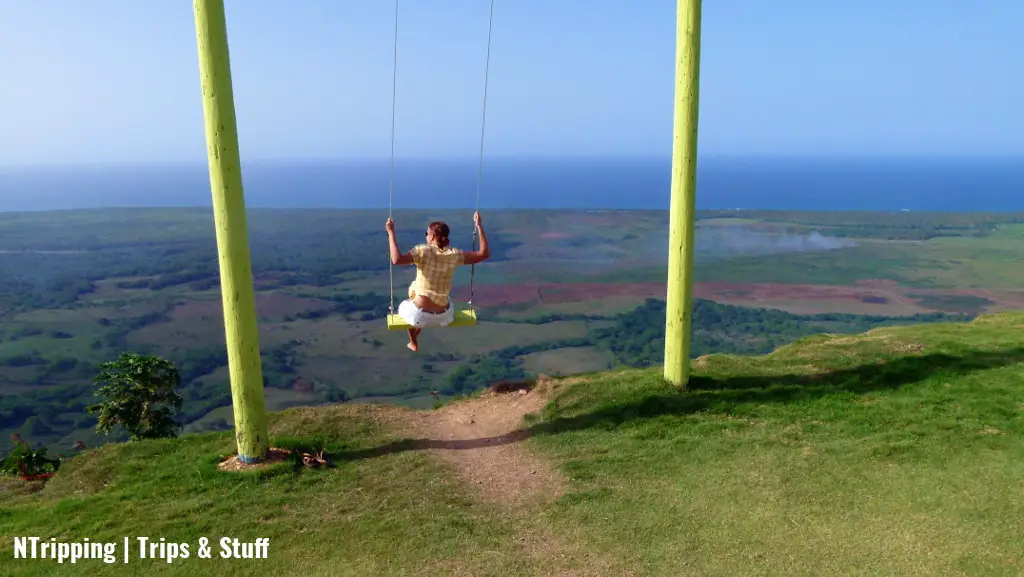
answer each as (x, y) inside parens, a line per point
(434, 271)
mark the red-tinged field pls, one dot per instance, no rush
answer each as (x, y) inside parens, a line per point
(268, 304)
(873, 297)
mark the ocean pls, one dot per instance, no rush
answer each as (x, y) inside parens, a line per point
(941, 184)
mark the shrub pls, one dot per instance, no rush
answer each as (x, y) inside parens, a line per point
(139, 394)
(27, 463)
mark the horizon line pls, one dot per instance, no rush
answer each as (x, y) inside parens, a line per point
(209, 207)
(317, 160)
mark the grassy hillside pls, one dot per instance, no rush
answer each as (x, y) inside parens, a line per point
(895, 452)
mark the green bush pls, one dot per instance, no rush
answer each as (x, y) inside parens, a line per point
(26, 462)
(139, 395)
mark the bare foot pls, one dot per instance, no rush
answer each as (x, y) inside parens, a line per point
(413, 347)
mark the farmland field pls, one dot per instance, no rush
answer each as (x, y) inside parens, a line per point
(79, 287)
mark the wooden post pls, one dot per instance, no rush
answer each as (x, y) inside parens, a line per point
(236, 284)
(684, 184)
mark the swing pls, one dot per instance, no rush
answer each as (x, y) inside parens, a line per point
(463, 317)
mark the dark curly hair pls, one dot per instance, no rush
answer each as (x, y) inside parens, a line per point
(440, 231)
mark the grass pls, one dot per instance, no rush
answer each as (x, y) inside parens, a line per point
(967, 304)
(78, 347)
(846, 266)
(571, 361)
(989, 263)
(343, 521)
(896, 452)
(608, 306)
(891, 453)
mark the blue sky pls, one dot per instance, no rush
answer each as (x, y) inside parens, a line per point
(117, 81)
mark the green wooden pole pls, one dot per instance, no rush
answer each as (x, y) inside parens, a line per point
(684, 187)
(237, 291)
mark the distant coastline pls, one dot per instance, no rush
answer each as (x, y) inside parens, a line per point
(825, 184)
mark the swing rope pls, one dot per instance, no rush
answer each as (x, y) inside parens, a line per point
(391, 171)
(480, 166)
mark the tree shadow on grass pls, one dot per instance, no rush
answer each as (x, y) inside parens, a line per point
(711, 394)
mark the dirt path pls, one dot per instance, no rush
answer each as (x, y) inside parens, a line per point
(480, 439)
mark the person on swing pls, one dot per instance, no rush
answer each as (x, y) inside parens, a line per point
(429, 302)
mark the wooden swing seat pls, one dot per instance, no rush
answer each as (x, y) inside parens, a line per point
(463, 318)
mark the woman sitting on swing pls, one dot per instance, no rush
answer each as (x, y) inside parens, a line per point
(429, 302)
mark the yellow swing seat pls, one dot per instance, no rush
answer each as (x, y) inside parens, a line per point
(463, 318)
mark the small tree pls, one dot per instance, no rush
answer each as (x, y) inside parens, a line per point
(139, 394)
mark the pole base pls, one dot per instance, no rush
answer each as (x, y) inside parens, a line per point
(249, 460)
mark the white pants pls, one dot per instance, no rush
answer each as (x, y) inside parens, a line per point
(417, 318)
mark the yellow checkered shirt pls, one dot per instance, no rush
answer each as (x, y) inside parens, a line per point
(434, 271)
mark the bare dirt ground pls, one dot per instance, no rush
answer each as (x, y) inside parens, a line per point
(480, 439)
